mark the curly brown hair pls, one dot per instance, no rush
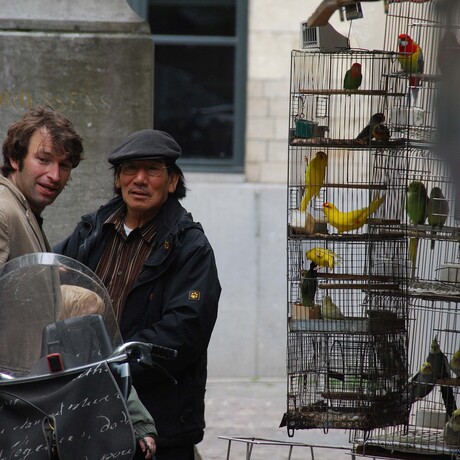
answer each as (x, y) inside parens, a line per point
(61, 131)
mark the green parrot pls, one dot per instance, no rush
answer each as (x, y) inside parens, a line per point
(437, 211)
(353, 77)
(309, 285)
(416, 208)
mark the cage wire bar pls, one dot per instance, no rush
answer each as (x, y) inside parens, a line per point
(363, 306)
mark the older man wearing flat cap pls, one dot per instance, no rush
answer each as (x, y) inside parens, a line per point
(160, 271)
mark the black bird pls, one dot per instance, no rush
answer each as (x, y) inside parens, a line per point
(309, 285)
(367, 133)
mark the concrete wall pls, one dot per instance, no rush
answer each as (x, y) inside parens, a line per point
(245, 223)
(92, 63)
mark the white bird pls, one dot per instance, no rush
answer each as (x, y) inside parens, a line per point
(329, 310)
(452, 430)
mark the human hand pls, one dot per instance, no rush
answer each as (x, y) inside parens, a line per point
(148, 447)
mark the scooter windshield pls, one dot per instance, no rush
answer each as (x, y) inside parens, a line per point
(55, 314)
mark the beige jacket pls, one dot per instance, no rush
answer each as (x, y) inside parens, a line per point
(20, 232)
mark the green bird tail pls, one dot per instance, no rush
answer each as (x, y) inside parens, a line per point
(413, 247)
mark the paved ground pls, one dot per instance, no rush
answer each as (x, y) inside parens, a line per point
(253, 409)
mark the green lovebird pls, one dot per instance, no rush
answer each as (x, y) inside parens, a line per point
(353, 77)
(437, 211)
(416, 206)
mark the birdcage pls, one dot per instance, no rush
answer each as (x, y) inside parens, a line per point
(347, 266)
(369, 293)
(432, 232)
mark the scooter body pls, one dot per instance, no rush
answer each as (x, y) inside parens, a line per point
(64, 370)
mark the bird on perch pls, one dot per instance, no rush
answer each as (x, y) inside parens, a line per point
(441, 370)
(380, 132)
(416, 204)
(437, 211)
(367, 133)
(351, 220)
(323, 257)
(452, 430)
(410, 58)
(353, 77)
(314, 178)
(329, 310)
(309, 285)
(455, 363)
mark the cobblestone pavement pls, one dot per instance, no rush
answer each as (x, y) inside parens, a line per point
(253, 409)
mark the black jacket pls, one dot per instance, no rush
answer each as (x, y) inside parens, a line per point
(173, 303)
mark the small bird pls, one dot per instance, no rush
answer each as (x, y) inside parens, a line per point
(381, 132)
(323, 257)
(422, 383)
(441, 370)
(416, 202)
(437, 211)
(452, 430)
(329, 310)
(353, 77)
(352, 220)
(366, 134)
(455, 363)
(309, 285)
(410, 58)
(438, 360)
(416, 205)
(314, 178)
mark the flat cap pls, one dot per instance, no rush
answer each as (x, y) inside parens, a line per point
(147, 144)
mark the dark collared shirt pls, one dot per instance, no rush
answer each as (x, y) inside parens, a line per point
(123, 257)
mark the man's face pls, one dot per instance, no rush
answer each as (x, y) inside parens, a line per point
(145, 186)
(44, 172)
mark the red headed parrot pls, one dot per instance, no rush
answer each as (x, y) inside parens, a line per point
(353, 77)
(411, 58)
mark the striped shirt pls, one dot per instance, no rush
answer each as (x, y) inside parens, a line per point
(123, 257)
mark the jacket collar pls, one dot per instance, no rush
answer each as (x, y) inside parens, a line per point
(36, 222)
(171, 218)
(12, 187)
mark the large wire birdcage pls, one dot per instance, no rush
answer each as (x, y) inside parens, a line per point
(371, 288)
(433, 290)
(346, 279)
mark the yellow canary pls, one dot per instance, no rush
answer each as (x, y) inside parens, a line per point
(323, 257)
(352, 220)
(314, 178)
